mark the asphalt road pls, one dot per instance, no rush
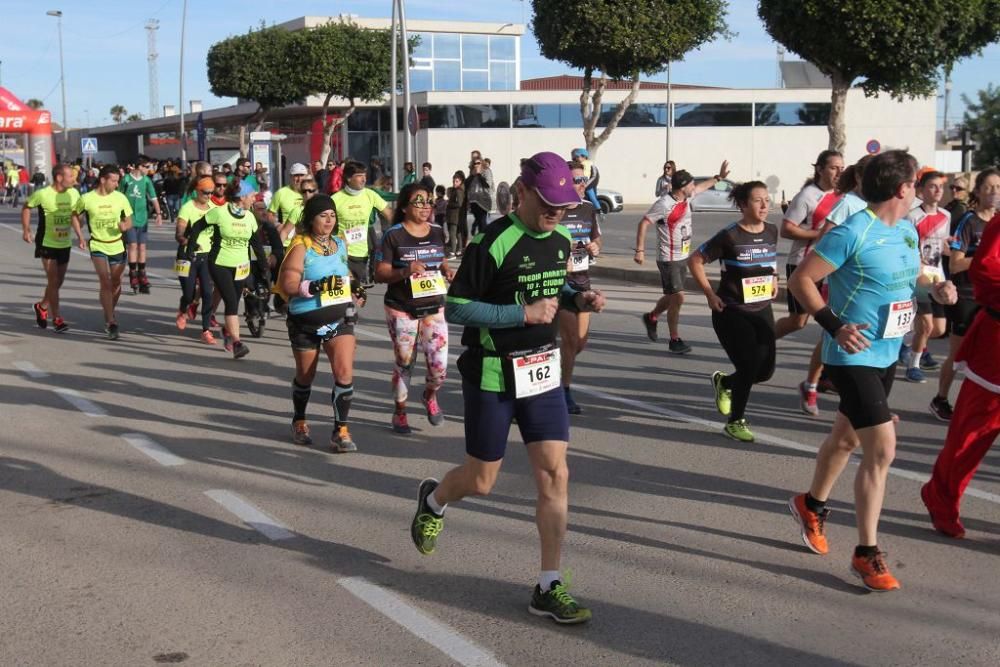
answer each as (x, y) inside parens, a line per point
(154, 511)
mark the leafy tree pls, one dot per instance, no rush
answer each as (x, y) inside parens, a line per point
(134, 117)
(35, 103)
(355, 66)
(262, 66)
(621, 39)
(118, 113)
(891, 46)
(982, 117)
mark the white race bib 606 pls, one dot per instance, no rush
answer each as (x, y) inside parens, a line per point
(536, 373)
(356, 235)
(336, 296)
(900, 319)
(428, 283)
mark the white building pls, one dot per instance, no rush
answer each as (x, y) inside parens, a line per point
(469, 95)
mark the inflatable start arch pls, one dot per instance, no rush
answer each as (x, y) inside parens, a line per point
(17, 118)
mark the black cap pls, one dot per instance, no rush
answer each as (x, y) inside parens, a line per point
(314, 207)
(680, 179)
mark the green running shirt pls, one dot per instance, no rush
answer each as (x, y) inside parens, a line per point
(55, 213)
(104, 214)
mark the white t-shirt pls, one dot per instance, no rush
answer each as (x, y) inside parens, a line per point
(673, 228)
(808, 210)
(933, 230)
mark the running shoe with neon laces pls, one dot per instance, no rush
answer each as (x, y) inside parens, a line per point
(928, 363)
(113, 331)
(678, 346)
(941, 409)
(650, 323)
(300, 433)
(181, 321)
(41, 316)
(951, 527)
(434, 414)
(739, 430)
(914, 374)
(400, 424)
(723, 396)
(874, 573)
(426, 524)
(340, 441)
(558, 604)
(59, 325)
(571, 406)
(812, 526)
(208, 338)
(808, 400)
(240, 350)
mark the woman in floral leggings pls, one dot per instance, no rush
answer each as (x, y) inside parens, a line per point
(411, 261)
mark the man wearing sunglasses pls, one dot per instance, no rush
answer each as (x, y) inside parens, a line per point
(506, 293)
(959, 200)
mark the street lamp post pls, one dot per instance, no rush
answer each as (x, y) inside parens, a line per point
(62, 80)
(182, 137)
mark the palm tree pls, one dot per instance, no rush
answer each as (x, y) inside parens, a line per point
(134, 117)
(118, 113)
(35, 103)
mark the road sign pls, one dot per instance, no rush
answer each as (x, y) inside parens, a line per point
(412, 121)
(873, 146)
(88, 145)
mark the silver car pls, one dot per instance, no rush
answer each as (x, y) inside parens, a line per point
(715, 198)
(610, 200)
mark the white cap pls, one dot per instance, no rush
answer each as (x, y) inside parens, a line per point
(298, 169)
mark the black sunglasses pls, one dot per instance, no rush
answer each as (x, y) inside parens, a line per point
(308, 190)
(206, 192)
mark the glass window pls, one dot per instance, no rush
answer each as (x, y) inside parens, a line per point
(424, 47)
(637, 115)
(447, 75)
(474, 49)
(363, 119)
(502, 76)
(547, 115)
(501, 47)
(446, 45)
(792, 113)
(468, 116)
(713, 115)
(475, 80)
(421, 79)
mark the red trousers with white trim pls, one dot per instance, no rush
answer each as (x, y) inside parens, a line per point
(974, 427)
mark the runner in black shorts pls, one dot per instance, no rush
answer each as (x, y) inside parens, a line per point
(741, 307)
(507, 293)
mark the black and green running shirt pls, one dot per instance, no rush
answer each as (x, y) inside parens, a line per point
(507, 265)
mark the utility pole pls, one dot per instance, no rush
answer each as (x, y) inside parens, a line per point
(62, 81)
(183, 138)
(152, 25)
(947, 103)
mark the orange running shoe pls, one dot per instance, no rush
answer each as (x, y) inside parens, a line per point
(181, 320)
(874, 573)
(811, 525)
(207, 337)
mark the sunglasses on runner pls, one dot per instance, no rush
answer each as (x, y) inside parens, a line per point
(420, 202)
(207, 193)
(308, 190)
(579, 179)
(219, 185)
(957, 188)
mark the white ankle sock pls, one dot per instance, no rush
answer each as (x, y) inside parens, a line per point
(546, 577)
(915, 359)
(437, 507)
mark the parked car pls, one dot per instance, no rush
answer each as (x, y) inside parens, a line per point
(715, 198)
(610, 200)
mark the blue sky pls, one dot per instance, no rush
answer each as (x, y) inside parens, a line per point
(105, 48)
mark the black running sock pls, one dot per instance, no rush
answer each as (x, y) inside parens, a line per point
(342, 396)
(727, 382)
(131, 267)
(300, 399)
(815, 506)
(142, 267)
(865, 552)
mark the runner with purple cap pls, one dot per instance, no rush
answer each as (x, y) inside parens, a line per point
(511, 283)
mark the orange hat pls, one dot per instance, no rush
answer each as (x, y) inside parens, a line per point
(205, 184)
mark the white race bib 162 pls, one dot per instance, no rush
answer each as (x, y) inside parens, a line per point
(536, 373)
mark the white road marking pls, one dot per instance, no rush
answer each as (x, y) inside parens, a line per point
(29, 369)
(371, 334)
(153, 450)
(4, 349)
(435, 633)
(251, 515)
(80, 403)
(765, 438)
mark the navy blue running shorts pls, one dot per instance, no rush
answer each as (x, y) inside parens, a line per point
(488, 415)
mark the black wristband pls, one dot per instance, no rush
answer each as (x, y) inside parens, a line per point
(828, 320)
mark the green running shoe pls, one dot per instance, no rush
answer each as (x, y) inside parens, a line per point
(739, 430)
(723, 396)
(558, 604)
(426, 524)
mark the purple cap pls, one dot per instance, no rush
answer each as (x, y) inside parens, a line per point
(549, 176)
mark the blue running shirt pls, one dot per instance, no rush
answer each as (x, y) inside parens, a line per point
(876, 273)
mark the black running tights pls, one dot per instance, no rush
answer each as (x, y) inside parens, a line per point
(748, 338)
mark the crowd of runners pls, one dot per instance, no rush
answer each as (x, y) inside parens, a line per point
(875, 261)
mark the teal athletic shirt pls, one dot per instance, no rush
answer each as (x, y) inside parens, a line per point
(507, 266)
(876, 267)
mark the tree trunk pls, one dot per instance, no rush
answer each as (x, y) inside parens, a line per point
(838, 99)
(244, 141)
(586, 114)
(328, 130)
(595, 143)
